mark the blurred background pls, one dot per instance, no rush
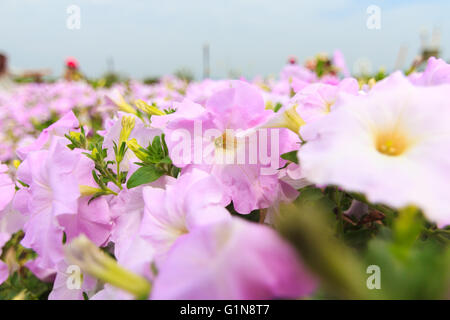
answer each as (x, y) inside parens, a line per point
(222, 38)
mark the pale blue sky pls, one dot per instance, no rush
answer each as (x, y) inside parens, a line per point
(146, 37)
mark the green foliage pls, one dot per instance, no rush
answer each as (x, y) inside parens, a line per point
(184, 74)
(103, 173)
(144, 175)
(290, 156)
(21, 284)
(155, 163)
(316, 199)
(336, 266)
(41, 125)
(422, 274)
(77, 139)
(24, 285)
(151, 80)
(413, 257)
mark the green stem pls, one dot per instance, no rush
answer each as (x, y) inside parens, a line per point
(111, 191)
(118, 171)
(113, 179)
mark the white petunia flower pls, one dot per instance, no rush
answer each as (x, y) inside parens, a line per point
(392, 144)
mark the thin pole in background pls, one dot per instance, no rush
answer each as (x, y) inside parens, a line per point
(206, 70)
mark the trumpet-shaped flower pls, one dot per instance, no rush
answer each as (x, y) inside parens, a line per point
(130, 248)
(213, 144)
(51, 201)
(183, 110)
(309, 104)
(391, 144)
(58, 129)
(318, 99)
(7, 187)
(70, 283)
(193, 200)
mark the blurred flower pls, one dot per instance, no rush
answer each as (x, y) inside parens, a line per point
(7, 187)
(232, 259)
(436, 73)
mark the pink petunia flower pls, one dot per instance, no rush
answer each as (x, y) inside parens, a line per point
(233, 259)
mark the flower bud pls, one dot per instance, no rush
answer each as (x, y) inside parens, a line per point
(140, 152)
(82, 252)
(124, 106)
(148, 109)
(127, 127)
(88, 190)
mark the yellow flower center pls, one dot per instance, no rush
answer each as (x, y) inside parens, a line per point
(328, 105)
(226, 142)
(392, 142)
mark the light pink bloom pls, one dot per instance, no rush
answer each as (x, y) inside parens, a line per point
(339, 62)
(130, 249)
(92, 219)
(240, 108)
(52, 201)
(58, 129)
(7, 187)
(4, 271)
(233, 259)
(200, 92)
(318, 99)
(70, 283)
(183, 110)
(194, 199)
(112, 293)
(295, 71)
(436, 73)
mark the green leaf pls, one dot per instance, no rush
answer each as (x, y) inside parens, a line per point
(163, 140)
(423, 275)
(290, 156)
(144, 175)
(311, 197)
(166, 160)
(156, 144)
